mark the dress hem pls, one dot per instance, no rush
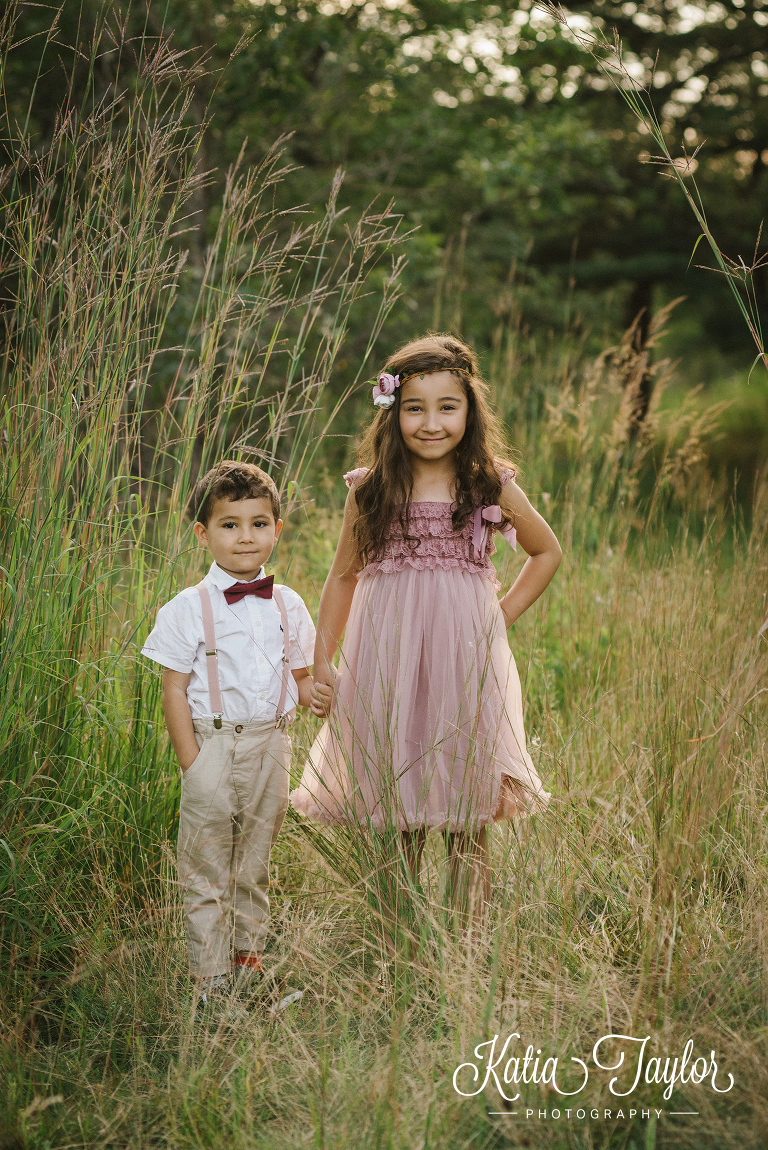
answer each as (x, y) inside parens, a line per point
(507, 806)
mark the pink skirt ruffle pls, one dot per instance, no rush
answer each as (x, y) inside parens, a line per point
(427, 724)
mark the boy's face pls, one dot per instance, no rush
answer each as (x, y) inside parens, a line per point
(241, 535)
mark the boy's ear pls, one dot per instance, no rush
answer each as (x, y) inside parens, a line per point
(201, 533)
(278, 529)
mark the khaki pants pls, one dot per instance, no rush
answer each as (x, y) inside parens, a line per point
(233, 800)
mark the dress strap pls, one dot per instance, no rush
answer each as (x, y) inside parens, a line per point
(211, 656)
(482, 517)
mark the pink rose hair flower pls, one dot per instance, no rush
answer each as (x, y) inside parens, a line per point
(384, 391)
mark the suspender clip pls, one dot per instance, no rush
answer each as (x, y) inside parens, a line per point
(217, 722)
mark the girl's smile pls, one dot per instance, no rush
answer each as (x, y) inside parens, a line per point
(433, 414)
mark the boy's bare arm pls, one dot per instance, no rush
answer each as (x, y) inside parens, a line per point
(178, 717)
(304, 684)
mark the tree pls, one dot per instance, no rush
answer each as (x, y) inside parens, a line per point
(495, 134)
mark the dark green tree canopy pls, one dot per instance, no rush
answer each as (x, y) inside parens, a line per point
(496, 135)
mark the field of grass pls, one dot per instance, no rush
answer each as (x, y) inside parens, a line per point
(638, 905)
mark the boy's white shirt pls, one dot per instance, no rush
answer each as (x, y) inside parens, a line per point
(249, 642)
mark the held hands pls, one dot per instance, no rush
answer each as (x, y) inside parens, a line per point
(321, 696)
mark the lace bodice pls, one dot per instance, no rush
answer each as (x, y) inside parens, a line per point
(438, 544)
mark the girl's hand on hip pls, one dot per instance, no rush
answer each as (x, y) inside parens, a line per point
(320, 699)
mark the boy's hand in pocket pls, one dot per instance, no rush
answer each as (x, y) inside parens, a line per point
(178, 717)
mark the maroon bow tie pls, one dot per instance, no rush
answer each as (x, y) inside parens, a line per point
(260, 587)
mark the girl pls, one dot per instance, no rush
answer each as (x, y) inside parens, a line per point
(426, 727)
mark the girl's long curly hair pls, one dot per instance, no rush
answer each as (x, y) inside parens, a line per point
(384, 495)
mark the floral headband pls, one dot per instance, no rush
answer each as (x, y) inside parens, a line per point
(384, 390)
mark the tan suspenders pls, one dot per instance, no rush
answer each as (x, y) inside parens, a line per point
(212, 659)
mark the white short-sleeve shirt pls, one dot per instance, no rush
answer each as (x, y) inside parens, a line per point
(249, 643)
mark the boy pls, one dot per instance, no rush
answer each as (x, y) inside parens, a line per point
(228, 698)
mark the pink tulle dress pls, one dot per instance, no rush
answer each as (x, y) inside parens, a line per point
(426, 728)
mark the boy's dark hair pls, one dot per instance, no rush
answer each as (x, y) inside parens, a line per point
(232, 480)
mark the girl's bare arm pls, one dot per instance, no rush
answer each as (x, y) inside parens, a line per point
(335, 603)
(178, 717)
(544, 554)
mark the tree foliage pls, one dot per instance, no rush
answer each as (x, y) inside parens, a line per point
(493, 131)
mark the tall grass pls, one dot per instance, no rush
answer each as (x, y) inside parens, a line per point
(126, 371)
(636, 905)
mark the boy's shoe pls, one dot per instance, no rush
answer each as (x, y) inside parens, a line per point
(215, 1000)
(290, 996)
(263, 989)
(247, 965)
(213, 988)
(251, 983)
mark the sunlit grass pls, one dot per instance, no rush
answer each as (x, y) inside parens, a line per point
(637, 905)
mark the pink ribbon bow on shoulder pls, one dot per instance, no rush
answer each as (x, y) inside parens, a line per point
(482, 517)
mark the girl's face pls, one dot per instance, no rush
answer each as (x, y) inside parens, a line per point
(433, 414)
